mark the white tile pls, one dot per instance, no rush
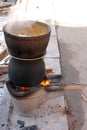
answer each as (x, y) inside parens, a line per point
(53, 64)
(52, 48)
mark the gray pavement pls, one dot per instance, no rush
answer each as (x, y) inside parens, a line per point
(73, 49)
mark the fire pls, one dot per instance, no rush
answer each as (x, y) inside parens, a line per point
(45, 83)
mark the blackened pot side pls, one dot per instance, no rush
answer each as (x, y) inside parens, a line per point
(26, 73)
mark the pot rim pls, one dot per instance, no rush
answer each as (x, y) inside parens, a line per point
(26, 37)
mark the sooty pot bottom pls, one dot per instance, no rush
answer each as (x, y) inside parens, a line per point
(26, 73)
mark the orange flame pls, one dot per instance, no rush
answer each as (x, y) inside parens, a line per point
(45, 83)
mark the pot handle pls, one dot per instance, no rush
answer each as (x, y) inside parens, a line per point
(11, 88)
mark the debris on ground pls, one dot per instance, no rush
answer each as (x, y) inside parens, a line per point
(4, 7)
(23, 127)
(3, 51)
(4, 4)
(84, 97)
(21, 123)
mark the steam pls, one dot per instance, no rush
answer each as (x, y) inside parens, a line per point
(26, 10)
(69, 12)
(31, 10)
(18, 12)
(26, 28)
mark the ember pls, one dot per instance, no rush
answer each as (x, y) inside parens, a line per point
(23, 89)
(20, 89)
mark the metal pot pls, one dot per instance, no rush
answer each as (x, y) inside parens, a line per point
(26, 73)
(27, 39)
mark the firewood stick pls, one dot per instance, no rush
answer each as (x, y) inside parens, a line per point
(3, 54)
(10, 8)
(5, 6)
(70, 87)
(74, 87)
(3, 69)
(55, 88)
(5, 9)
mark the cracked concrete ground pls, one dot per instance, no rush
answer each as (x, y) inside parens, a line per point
(73, 49)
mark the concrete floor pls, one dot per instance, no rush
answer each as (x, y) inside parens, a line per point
(73, 46)
(73, 50)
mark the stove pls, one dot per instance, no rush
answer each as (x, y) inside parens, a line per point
(26, 42)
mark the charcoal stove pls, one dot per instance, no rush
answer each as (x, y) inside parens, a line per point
(26, 42)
